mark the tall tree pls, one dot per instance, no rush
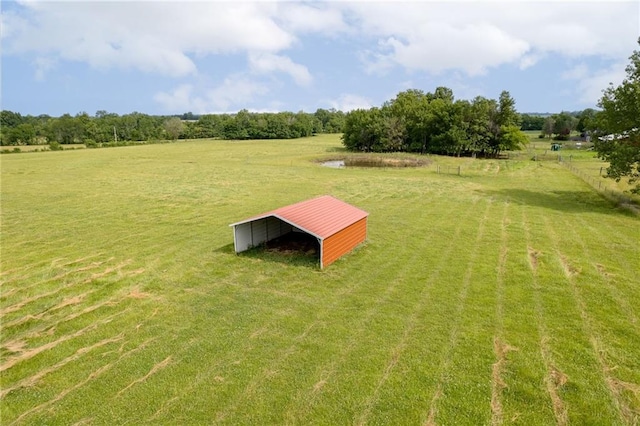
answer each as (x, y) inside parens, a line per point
(564, 124)
(618, 125)
(173, 127)
(585, 120)
(548, 126)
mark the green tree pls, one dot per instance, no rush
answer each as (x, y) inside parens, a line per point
(549, 125)
(531, 122)
(512, 138)
(173, 128)
(564, 124)
(618, 125)
(65, 130)
(586, 119)
(22, 134)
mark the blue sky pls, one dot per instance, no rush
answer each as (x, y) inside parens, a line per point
(162, 57)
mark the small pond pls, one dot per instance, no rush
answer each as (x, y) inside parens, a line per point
(375, 161)
(334, 164)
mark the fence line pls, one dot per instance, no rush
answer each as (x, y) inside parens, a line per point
(596, 183)
(449, 170)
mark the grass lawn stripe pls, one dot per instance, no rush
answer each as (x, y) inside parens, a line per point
(383, 289)
(325, 374)
(459, 361)
(524, 372)
(554, 377)
(573, 370)
(618, 271)
(501, 347)
(381, 405)
(594, 307)
(319, 317)
(223, 321)
(360, 371)
(466, 364)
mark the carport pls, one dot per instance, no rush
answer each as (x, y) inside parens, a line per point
(338, 227)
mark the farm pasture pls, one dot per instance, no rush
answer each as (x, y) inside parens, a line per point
(508, 294)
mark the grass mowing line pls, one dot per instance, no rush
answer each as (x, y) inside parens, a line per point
(245, 351)
(154, 369)
(92, 376)
(32, 265)
(266, 373)
(453, 335)
(269, 371)
(616, 386)
(32, 380)
(19, 305)
(248, 346)
(35, 331)
(398, 271)
(602, 270)
(56, 263)
(67, 302)
(30, 353)
(501, 348)
(554, 378)
(618, 298)
(356, 330)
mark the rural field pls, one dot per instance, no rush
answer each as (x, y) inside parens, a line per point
(507, 294)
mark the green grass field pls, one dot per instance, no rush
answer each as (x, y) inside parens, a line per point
(508, 294)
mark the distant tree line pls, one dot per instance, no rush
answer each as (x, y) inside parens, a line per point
(560, 126)
(435, 123)
(106, 129)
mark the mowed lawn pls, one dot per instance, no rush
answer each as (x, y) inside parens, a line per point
(507, 295)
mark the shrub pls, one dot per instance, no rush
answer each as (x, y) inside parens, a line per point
(55, 146)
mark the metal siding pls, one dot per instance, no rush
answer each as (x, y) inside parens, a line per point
(251, 234)
(242, 234)
(322, 216)
(276, 228)
(338, 226)
(343, 242)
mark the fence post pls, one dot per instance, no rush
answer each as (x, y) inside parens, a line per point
(458, 170)
(600, 171)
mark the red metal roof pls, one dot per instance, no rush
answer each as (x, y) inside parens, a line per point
(322, 216)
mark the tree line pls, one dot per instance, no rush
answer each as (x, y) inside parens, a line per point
(105, 129)
(435, 123)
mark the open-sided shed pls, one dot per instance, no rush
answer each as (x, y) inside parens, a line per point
(339, 227)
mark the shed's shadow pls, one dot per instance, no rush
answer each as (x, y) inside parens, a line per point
(564, 201)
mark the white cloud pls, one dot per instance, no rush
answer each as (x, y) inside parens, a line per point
(476, 36)
(349, 102)
(591, 83)
(168, 37)
(181, 99)
(43, 65)
(159, 37)
(577, 72)
(268, 62)
(303, 18)
(479, 47)
(529, 60)
(234, 93)
(235, 90)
